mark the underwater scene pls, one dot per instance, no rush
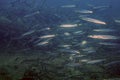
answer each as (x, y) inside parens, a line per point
(59, 39)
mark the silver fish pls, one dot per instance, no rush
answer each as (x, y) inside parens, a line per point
(103, 37)
(70, 51)
(108, 44)
(28, 33)
(68, 6)
(93, 20)
(47, 36)
(95, 61)
(84, 11)
(103, 30)
(32, 14)
(69, 25)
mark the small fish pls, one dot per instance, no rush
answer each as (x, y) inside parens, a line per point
(103, 30)
(43, 43)
(29, 61)
(68, 6)
(79, 56)
(108, 44)
(65, 46)
(84, 11)
(47, 36)
(95, 61)
(89, 50)
(73, 64)
(38, 43)
(92, 51)
(110, 64)
(117, 20)
(101, 7)
(103, 37)
(5, 20)
(69, 25)
(70, 51)
(28, 33)
(83, 43)
(71, 58)
(32, 14)
(79, 32)
(67, 34)
(93, 20)
(44, 29)
(84, 15)
(84, 60)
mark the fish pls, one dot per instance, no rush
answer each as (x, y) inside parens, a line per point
(28, 33)
(29, 61)
(73, 64)
(67, 34)
(84, 15)
(68, 6)
(84, 11)
(32, 14)
(71, 57)
(65, 46)
(92, 51)
(117, 20)
(93, 20)
(79, 56)
(84, 60)
(108, 44)
(42, 43)
(96, 8)
(104, 30)
(101, 7)
(5, 20)
(95, 61)
(45, 42)
(47, 36)
(68, 25)
(89, 50)
(44, 29)
(103, 37)
(83, 43)
(70, 51)
(78, 32)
